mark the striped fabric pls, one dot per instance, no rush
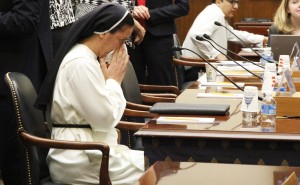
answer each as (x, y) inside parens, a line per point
(86, 6)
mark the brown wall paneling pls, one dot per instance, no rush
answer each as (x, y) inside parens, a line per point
(247, 8)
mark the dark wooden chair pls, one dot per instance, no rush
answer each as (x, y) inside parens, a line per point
(34, 137)
(139, 99)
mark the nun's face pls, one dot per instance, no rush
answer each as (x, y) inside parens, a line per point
(115, 40)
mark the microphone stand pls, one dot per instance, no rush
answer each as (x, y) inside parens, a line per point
(219, 24)
(177, 48)
(209, 38)
(203, 39)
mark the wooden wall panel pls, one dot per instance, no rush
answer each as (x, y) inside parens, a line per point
(247, 8)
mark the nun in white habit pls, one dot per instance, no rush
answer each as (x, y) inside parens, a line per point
(87, 100)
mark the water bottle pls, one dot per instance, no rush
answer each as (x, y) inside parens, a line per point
(266, 56)
(249, 119)
(268, 113)
(249, 107)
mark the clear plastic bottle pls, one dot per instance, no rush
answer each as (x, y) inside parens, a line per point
(266, 56)
(249, 119)
(268, 113)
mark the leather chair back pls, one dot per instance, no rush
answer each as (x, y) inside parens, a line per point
(177, 54)
(130, 86)
(34, 167)
(180, 71)
(132, 93)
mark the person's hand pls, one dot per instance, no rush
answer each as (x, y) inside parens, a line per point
(221, 57)
(265, 41)
(141, 12)
(139, 32)
(118, 65)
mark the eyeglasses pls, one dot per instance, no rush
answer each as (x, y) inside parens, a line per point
(233, 2)
(129, 42)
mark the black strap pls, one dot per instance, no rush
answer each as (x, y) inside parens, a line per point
(70, 125)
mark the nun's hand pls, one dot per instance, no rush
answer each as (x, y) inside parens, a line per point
(141, 12)
(117, 68)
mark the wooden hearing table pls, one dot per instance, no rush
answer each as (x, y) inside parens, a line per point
(221, 142)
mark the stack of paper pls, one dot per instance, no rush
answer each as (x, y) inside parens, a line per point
(219, 95)
(232, 63)
(250, 50)
(252, 68)
(229, 73)
(183, 120)
(222, 84)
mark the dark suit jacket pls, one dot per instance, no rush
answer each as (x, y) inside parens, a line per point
(163, 14)
(25, 39)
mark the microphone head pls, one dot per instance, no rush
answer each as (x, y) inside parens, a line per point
(200, 38)
(217, 23)
(176, 48)
(206, 36)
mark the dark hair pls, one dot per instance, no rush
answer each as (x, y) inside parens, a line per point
(213, 1)
(128, 20)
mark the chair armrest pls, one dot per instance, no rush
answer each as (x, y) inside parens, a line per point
(136, 106)
(192, 63)
(160, 88)
(151, 99)
(138, 113)
(75, 145)
(190, 59)
(162, 95)
(129, 125)
(180, 62)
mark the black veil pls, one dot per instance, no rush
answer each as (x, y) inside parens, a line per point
(101, 20)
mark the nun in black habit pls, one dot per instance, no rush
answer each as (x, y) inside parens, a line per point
(85, 92)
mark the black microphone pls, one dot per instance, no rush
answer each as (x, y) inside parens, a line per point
(177, 48)
(219, 24)
(247, 60)
(207, 38)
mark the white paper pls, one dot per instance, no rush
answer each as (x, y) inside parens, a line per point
(222, 84)
(252, 68)
(280, 80)
(219, 95)
(283, 63)
(232, 63)
(236, 73)
(185, 120)
(269, 82)
(270, 67)
(250, 50)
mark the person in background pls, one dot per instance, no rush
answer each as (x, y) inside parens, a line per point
(87, 99)
(286, 19)
(221, 11)
(61, 19)
(25, 47)
(64, 13)
(155, 54)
